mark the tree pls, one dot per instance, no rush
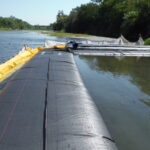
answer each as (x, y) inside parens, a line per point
(60, 22)
(14, 23)
(82, 19)
(97, 1)
(108, 18)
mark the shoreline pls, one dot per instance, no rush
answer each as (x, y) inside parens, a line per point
(5, 29)
(71, 35)
(78, 36)
(96, 38)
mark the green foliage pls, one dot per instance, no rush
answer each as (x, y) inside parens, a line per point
(64, 34)
(14, 23)
(108, 18)
(136, 19)
(61, 21)
(97, 1)
(147, 41)
(5, 29)
(39, 27)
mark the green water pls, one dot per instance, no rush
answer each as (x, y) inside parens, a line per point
(121, 91)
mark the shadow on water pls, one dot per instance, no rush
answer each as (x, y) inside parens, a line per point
(120, 88)
(138, 69)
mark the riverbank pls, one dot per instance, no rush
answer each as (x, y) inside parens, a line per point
(96, 38)
(5, 29)
(74, 35)
(64, 34)
(71, 35)
(78, 36)
(84, 36)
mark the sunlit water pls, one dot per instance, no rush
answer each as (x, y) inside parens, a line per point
(120, 88)
(121, 91)
(11, 42)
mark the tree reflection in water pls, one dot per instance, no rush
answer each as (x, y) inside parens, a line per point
(138, 69)
(120, 87)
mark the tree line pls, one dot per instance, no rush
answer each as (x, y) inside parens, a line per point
(14, 23)
(108, 18)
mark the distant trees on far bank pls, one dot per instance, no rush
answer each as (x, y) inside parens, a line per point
(14, 23)
(108, 18)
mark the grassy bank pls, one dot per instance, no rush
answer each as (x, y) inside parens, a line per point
(147, 41)
(5, 29)
(64, 34)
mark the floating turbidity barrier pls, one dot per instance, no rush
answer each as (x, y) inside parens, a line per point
(45, 105)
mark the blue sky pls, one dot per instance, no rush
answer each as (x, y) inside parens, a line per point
(41, 12)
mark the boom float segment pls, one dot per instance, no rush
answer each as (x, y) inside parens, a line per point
(10, 66)
(16, 62)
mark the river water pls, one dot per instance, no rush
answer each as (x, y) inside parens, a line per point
(11, 42)
(121, 91)
(119, 87)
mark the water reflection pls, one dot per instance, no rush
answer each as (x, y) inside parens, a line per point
(121, 91)
(138, 69)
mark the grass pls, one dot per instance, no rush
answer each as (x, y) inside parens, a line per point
(147, 41)
(64, 34)
(5, 29)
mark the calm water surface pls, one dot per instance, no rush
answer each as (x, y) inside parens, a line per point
(120, 88)
(12, 42)
(121, 91)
